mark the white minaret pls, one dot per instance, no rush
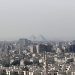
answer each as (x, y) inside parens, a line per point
(45, 64)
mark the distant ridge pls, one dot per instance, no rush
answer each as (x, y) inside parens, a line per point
(37, 38)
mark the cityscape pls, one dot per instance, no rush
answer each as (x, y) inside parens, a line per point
(27, 57)
(37, 37)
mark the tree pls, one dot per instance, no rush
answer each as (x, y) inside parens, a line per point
(16, 62)
(3, 72)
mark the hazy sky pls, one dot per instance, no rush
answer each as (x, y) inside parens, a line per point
(51, 18)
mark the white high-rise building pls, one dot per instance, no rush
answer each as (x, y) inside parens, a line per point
(37, 48)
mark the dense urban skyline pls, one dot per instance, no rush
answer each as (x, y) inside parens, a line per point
(51, 18)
